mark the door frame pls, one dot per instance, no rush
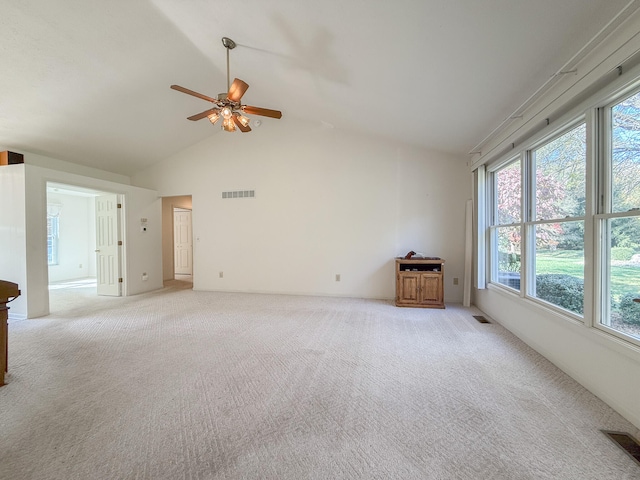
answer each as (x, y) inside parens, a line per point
(95, 192)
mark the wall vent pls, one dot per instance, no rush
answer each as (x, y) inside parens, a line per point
(239, 194)
(481, 318)
(626, 442)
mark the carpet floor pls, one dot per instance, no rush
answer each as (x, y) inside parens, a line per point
(182, 384)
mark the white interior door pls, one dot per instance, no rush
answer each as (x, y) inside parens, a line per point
(182, 242)
(107, 249)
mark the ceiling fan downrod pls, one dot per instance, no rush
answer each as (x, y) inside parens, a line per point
(229, 45)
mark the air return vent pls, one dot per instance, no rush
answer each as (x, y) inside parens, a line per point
(239, 194)
(481, 318)
(626, 442)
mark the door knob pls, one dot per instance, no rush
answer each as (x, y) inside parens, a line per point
(96, 251)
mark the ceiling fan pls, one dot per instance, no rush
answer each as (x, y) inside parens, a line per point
(228, 105)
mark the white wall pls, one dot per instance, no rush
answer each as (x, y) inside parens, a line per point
(326, 203)
(76, 257)
(13, 242)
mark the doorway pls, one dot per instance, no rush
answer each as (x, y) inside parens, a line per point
(177, 241)
(72, 243)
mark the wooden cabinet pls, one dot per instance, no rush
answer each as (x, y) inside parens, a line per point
(8, 291)
(420, 282)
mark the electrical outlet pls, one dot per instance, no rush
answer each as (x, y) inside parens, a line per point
(455, 280)
(145, 277)
(221, 274)
(337, 277)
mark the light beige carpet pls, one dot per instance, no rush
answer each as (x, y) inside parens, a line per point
(180, 384)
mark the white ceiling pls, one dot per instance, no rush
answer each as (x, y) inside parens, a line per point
(87, 81)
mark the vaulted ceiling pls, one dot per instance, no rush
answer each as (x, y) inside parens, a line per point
(87, 81)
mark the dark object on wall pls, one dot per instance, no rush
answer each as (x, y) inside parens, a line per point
(11, 158)
(409, 255)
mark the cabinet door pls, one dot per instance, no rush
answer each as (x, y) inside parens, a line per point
(431, 288)
(408, 284)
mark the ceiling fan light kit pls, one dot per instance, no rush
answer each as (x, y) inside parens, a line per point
(228, 105)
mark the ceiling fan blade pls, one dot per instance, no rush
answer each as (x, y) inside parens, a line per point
(240, 125)
(237, 89)
(265, 112)
(201, 115)
(195, 94)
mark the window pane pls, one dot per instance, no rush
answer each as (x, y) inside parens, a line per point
(560, 176)
(559, 265)
(508, 254)
(624, 275)
(625, 154)
(508, 194)
(52, 239)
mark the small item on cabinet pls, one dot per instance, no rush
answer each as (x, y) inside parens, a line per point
(409, 255)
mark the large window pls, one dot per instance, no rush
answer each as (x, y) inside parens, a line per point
(564, 217)
(620, 217)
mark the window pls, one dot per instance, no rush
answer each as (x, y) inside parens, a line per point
(564, 216)
(556, 229)
(619, 220)
(506, 225)
(52, 239)
(552, 186)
